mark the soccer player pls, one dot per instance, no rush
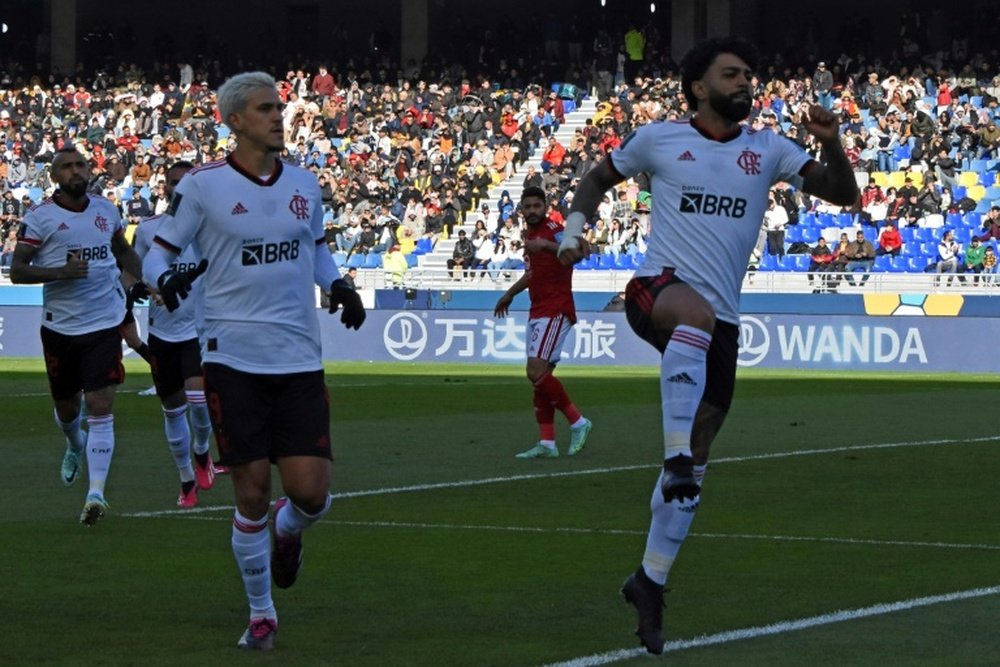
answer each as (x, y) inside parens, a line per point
(258, 225)
(552, 316)
(73, 243)
(175, 359)
(710, 179)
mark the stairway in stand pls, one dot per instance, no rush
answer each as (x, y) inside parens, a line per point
(435, 261)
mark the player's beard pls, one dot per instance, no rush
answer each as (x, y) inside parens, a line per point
(733, 108)
(75, 189)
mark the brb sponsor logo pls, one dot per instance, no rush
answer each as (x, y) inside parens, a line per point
(258, 251)
(696, 200)
(183, 267)
(89, 254)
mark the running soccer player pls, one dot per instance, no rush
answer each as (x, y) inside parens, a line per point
(710, 179)
(73, 242)
(258, 225)
(175, 360)
(552, 316)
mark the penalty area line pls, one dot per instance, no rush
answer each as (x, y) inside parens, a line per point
(781, 627)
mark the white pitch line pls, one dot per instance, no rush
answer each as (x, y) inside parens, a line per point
(781, 627)
(592, 471)
(189, 515)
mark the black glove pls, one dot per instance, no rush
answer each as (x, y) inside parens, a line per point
(136, 294)
(176, 285)
(341, 294)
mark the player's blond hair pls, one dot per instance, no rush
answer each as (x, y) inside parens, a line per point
(234, 94)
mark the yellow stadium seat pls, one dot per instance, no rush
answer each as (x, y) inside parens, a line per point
(975, 192)
(917, 177)
(881, 179)
(968, 179)
(896, 179)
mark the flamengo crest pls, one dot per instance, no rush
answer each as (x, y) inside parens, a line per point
(101, 223)
(749, 162)
(299, 206)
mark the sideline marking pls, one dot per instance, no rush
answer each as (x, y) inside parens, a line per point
(589, 471)
(781, 627)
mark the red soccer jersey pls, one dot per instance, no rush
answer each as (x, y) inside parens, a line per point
(551, 284)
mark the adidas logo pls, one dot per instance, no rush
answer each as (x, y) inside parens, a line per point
(682, 378)
(686, 156)
(240, 209)
(62, 227)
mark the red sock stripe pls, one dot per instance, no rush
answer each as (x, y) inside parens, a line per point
(246, 527)
(693, 340)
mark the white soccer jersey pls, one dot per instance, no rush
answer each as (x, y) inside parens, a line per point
(82, 305)
(259, 238)
(181, 324)
(709, 198)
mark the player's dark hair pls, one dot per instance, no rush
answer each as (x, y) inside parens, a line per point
(697, 61)
(181, 164)
(533, 191)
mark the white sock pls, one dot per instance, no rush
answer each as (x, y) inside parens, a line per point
(682, 383)
(291, 520)
(252, 549)
(179, 438)
(100, 447)
(579, 422)
(699, 473)
(201, 424)
(74, 434)
(667, 529)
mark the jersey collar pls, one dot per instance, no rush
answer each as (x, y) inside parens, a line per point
(708, 135)
(269, 181)
(58, 201)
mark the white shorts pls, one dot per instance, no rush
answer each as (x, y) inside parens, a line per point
(546, 336)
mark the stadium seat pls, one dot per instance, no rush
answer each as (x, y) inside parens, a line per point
(373, 260)
(810, 235)
(585, 264)
(897, 179)
(793, 234)
(968, 179)
(975, 192)
(992, 193)
(978, 165)
(768, 263)
(355, 261)
(624, 262)
(222, 131)
(808, 219)
(881, 179)
(424, 245)
(882, 264)
(958, 192)
(918, 264)
(786, 263)
(984, 206)
(907, 234)
(953, 219)
(973, 220)
(989, 178)
(963, 235)
(339, 258)
(924, 234)
(976, 101)
(845, 219)
(605, 262)
(898, 264)
(412, 260)
(801, 262)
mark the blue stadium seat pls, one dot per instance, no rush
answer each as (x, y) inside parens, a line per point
(954, 219)
(586, 264)
(882, 264)
(811, 235)
(930, 248)
(808, 218)
(963, 235)
(373, 260)
(222, 131)
(988, 179)
(801, 262)
(412, 260)
(845, 220)
(793, 233)
(356, 261)
(992, 193)
(976, 101)
(924, 234)
(973, 220)
(984, 205)
(827, 220)
(898, 264)
(605, 262)
(959, 192)
(978, 165)
(917, 264)
(339, 258)
(908, 234)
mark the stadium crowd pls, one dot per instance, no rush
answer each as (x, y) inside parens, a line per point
(402, 162)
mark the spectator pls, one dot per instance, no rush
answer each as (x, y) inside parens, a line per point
(990, 266)
(775, 220)
(860, 255)
(553, 155)
(461, 257)
(890, 242)
(9, 243)
(991, 223)
(948, 255)
(821, 263)
(974, 256)
(395, 265)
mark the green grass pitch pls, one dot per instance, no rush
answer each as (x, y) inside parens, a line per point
(827, 493)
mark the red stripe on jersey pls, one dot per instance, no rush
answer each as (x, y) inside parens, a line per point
(208, 166)
(165, 244)
(32, 242)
